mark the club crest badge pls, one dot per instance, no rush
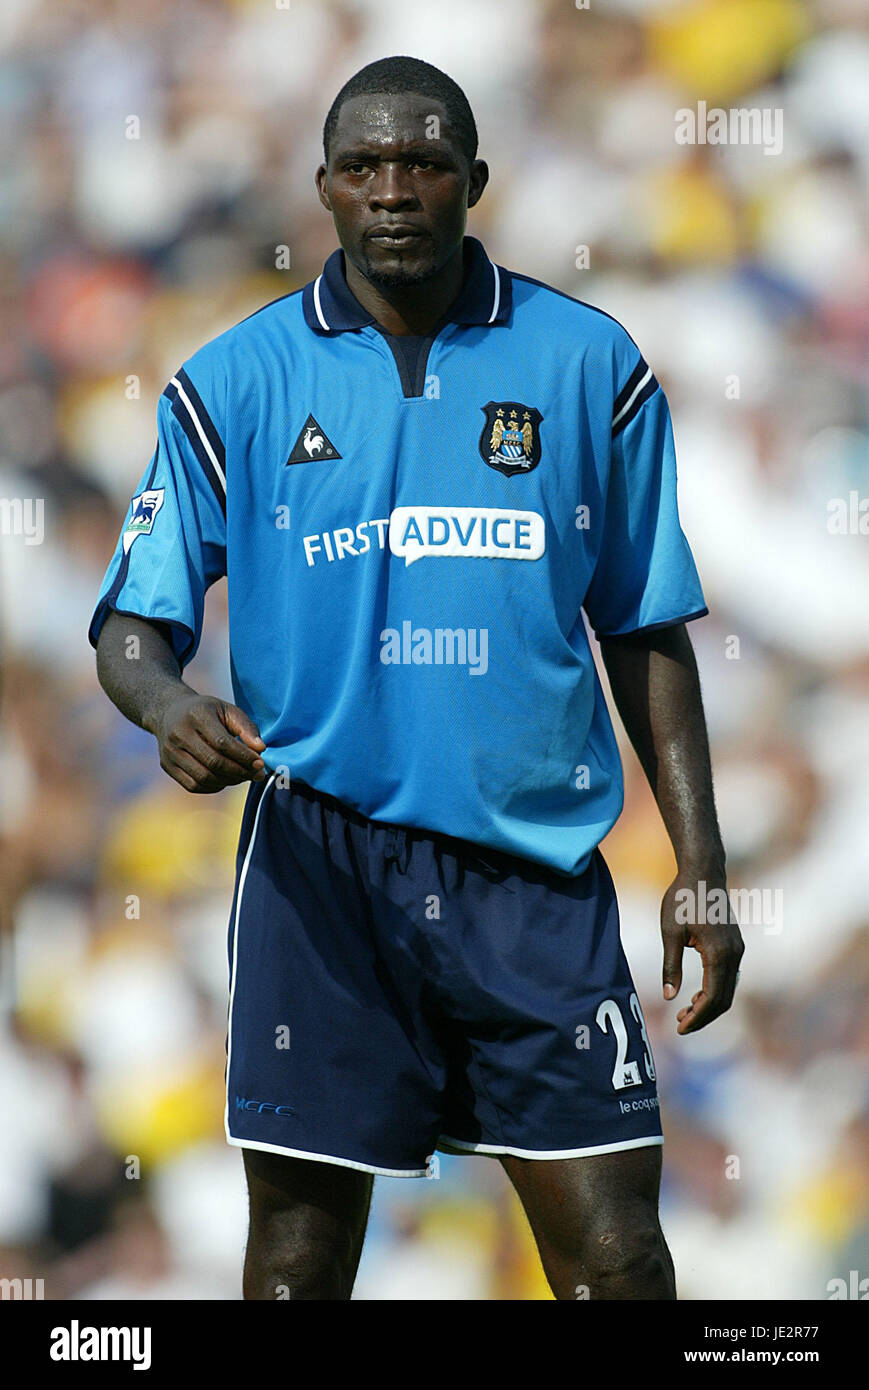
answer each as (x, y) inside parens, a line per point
(510, 440)
(143, 512)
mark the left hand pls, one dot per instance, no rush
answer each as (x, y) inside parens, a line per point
(719, 942)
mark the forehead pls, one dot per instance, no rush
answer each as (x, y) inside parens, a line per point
(383, 120)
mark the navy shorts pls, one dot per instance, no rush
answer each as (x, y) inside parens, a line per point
(394, 992)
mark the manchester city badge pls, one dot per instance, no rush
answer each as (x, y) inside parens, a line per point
(510, 440)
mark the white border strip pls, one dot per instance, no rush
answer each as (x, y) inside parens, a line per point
(200, 431)
(328, 1158)
(241, 879)
(497, 292)
(633, 396)
(323, 322)
(550, 1153)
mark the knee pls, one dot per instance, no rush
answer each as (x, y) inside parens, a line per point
(627, 1258)
(297, 1265)
(618, 1256)
(307, 1222)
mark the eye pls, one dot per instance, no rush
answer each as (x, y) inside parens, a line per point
(422, 164)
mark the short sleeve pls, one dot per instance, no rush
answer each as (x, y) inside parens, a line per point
(644, 576)
(173, 543)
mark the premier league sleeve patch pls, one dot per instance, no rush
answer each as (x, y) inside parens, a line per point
(144, 510)
(510, 440)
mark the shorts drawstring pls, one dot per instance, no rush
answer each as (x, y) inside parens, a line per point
(396, 847)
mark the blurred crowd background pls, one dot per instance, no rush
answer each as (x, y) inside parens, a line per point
(744, 277)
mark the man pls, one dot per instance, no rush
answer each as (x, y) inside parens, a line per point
(415, 473)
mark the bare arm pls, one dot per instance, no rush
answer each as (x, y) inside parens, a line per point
(205, 743)
(657, 693)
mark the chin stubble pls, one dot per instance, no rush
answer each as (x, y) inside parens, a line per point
(397, 279)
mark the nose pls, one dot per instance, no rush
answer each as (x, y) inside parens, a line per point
(392, 187)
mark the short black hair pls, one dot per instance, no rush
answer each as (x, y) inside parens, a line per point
(403, 74)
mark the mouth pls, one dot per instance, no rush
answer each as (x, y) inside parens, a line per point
(396, 238)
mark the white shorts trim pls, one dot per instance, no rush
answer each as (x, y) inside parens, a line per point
(550, 1153)
(241, 881)
(327, 1158)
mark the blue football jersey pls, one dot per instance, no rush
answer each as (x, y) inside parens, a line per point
(410, 539)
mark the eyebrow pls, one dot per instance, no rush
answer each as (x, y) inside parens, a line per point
(425, 149)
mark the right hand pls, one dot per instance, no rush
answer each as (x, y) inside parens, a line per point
(207, 744)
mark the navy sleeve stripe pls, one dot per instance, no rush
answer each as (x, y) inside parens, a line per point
(193, 426)
(645, 388)
(629, 387)
(200, 413)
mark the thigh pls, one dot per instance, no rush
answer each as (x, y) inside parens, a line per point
(307, 1224)
(564, 1197)
(589, 1215)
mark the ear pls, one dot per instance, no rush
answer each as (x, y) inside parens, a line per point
(477, 181)
(320, 181)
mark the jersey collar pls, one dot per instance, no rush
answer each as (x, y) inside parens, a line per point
(485, 298)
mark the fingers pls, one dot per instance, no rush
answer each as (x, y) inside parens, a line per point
(218, 750)
(721, 959)
(203, 756)
(211, 768)
(674, 945)
(237, 722)
(190, 774)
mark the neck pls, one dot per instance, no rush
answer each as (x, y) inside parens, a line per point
(409, 309)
